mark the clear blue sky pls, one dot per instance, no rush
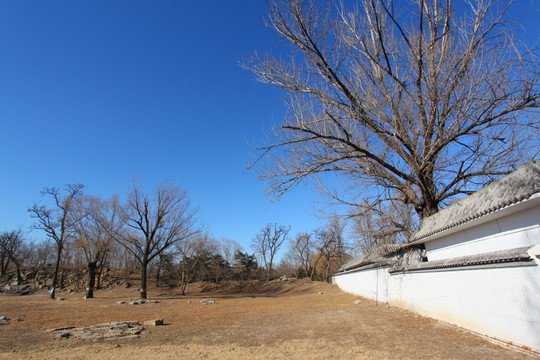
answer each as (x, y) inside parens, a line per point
(102, 92)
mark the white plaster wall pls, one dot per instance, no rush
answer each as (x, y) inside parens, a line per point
(362, 283)
(502, 302)
(517, 230)
(498, 302)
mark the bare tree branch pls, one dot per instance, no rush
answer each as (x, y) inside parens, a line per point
(430, 104)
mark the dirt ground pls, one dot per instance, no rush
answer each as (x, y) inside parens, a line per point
(295, 320)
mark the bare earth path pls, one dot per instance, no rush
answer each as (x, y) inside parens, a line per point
(295, 320)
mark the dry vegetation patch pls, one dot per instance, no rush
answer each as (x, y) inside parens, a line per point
(299, 319)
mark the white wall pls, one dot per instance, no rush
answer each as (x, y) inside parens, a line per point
(521, 229)
(498, 302)
(371, 284)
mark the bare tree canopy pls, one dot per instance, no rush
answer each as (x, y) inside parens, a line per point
(267, 243)
(405, 100)
(12, 248)
(58, 222)
(388, 223)
(95, 233)
(302, 249)
(155, 223)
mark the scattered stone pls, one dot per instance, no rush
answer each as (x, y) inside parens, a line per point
(60, 299)
(3, 320)
(121, 302)
(189, 302)
(124, 337)
(152, 301)
(356, 302)
(70, 291)
(320, 292)
(127, 285)
(24, 292)
(157, 322)
(61, 328)
(136, 302)
(206, 302)
(284, 278)
(106, 331)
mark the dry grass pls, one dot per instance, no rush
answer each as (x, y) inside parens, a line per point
(299, 319)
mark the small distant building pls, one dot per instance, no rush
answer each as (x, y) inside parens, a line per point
(474, 264)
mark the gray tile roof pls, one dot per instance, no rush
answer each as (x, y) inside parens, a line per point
(371, 259)
(512, 189)
(378, 257)
(496, 257)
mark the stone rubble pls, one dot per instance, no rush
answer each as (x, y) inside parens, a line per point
(105, 331)
(157, 322)
(17, 290)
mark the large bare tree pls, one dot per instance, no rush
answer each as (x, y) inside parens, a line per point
(12, 248)
(301, 250)
(100, 221)
(389, 223)
(57, 221)
(406, 101)
(267, 243)
(155, 222)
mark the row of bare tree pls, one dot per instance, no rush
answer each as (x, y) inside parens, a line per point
(146, 226)
(158, 234)
(157, 231)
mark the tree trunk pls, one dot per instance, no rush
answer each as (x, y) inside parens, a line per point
(18, 272)
(100, 269)
(56, 268)
(143, 294)
(160, 263)
(98, 278)
(270, 268)
(3, 265)
(183, 284)
(91, 280)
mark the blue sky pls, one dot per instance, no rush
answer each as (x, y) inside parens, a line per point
(103, 92)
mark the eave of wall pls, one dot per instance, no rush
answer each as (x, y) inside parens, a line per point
(533, 201)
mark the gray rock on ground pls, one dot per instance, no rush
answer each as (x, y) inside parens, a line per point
(106, 331)
(157, 322)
